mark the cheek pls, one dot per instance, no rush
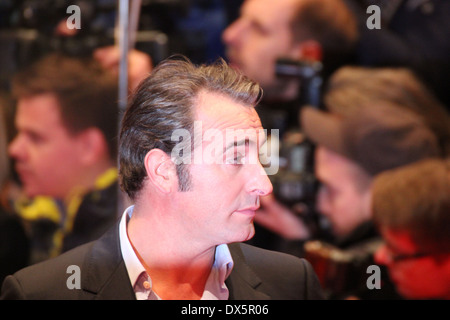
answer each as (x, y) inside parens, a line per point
(252, 69)
(410, 281)
(345, 213)
(227, 191)
(44, 159)
(261, 53)
(218, 188)
(349, 203)
(419, 272)
(59, 156)
(61, 162)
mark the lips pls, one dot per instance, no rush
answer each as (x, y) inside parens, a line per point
(248, 211)
(21, 171)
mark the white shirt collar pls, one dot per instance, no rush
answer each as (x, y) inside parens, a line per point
(215, 288)
(132, 263)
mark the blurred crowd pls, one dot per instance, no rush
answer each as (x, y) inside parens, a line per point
(362, 115)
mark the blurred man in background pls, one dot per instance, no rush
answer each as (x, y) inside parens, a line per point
(351, 150)
(411, 208)
(320, 36)
(268, 30)
(65, 151)
(385, 118)
(14, 243)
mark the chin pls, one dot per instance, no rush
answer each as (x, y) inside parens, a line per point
(250, 234)
(30, 192)
(243, 235)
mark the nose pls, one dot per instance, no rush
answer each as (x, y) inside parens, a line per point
(259, 183)
(231, 34)
(16, 149)
(381, 255)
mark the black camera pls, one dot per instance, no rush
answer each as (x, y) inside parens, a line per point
(29, 29)
(96, 24)
(295, 184)
(309, 75)
(342, 272)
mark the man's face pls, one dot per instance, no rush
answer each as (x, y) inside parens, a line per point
(259, 37)
(46, 154)
(340, 198)
(415, 277)
(227, 183)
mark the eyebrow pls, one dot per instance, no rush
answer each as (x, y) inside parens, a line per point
(243, 142)
(237, 144)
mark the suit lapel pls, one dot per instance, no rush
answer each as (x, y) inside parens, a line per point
(243, 282)
(104, 273)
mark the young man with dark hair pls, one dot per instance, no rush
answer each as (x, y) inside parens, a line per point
(411, 208)
(65, 152)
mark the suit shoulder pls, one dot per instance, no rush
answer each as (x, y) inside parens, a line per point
(292, 276)
(49, 276)
(71, 257)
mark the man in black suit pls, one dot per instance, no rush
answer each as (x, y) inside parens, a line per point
(189, 146)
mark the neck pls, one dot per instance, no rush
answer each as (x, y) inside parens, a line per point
(178, 267)
(180, 281)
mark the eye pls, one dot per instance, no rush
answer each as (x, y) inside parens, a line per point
(33, 137)
(260, 28)
(236, 159)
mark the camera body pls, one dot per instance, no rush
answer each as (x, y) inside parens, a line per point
(342, 272)
(309, 75)
(295, 184)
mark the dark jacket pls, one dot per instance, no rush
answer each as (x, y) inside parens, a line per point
(257, 274)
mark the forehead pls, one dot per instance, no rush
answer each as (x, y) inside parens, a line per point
(39, 110)
(332, 166)
(217, 111)
(270, 13)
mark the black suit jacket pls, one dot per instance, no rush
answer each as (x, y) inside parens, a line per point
(258, 274)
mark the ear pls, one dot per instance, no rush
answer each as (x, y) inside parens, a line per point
(161, 171)
(92, 146)
(310, 50)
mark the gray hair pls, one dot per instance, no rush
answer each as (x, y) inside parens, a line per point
(164, 102)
